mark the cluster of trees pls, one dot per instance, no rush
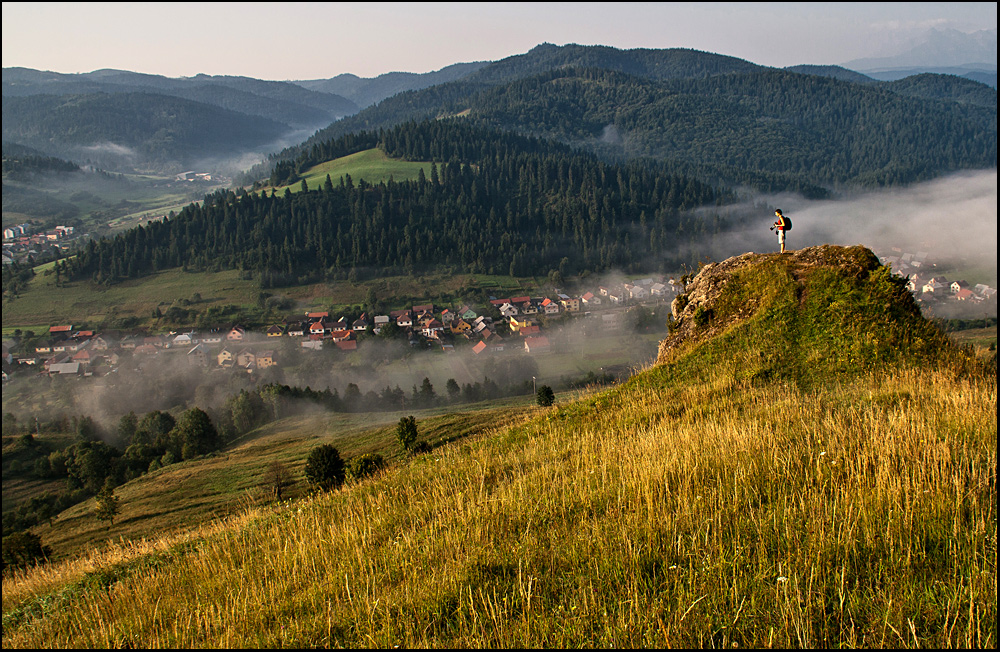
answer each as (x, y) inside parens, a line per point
(16, 278)
(251, 408)
(90, 464)
(25, 168)
(326, 470)
(497, 203)
(954, 325)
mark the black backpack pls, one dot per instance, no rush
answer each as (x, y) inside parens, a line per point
(788, 223)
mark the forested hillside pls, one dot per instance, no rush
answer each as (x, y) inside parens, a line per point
(737, 122)
(156, 128)
(133, 121)
(497, 203)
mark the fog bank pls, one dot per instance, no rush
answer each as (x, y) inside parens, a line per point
(952, 218)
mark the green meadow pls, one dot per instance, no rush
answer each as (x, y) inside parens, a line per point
(46, 302)
(372, 165)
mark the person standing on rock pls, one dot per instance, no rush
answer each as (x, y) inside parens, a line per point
(782, 224)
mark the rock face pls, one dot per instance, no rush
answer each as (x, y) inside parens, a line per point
(696, 314)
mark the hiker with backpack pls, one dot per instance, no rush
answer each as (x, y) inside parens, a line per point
(782, 224)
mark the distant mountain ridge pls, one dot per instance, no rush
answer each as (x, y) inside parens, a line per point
(683, 89)
(718, 117)
(942, 51)
(252, 114)
(286, 99)
(367, 91)
(143, 129)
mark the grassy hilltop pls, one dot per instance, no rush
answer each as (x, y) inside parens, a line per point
(810, 463)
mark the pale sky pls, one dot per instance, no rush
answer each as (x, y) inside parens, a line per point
(320, 40)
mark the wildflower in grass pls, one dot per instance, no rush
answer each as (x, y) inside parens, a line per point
(782, 580)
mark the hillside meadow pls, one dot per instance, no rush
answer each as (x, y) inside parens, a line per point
(658, 514)
(372, 165)
(174, 497)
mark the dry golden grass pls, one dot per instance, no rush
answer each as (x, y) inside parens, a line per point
(721, 514)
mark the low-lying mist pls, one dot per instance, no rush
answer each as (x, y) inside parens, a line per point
(580, 349)
(953, 219)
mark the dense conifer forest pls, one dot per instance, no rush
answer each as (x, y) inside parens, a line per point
(749, 125)
(492, 203)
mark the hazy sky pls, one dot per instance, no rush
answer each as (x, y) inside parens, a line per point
(320, 40)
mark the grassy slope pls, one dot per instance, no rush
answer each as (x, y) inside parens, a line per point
(372, 165)
(45, 304)
(839, 501)
(176, 496)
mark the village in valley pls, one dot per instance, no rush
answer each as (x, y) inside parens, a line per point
(26, 243)
(518, 324)
(525, 324)
(932, 289)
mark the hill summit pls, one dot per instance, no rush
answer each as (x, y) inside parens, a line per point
(802, 316)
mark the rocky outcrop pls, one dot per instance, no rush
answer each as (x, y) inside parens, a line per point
(697, 317)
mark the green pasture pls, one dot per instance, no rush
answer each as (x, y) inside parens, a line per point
(372, 165)
(979, 338)
(87, 302)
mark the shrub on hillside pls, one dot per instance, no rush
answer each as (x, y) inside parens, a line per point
(364, 466)
(325, 468)
(22, 549)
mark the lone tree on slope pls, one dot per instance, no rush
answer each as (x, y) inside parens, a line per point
(108, 504)
(325, 468)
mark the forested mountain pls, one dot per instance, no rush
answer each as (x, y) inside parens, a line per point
(725, 119)
(158, 122)
(817, 129)
(496, 203)
(733, 120)
(141, 127)
(933, 86)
